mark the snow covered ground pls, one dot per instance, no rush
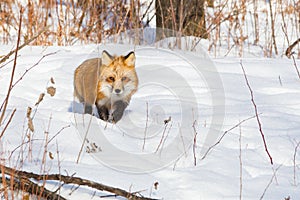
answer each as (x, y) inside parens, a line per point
(206, 98)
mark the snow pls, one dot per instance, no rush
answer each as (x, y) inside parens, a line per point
(171, 85)
(203, 95)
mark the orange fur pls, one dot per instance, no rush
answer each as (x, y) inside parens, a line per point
(108, 82)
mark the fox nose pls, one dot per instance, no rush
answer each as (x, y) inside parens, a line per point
(117, 91)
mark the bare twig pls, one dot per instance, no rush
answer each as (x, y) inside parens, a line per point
(33, 66)
(256, 114)
(8, 122)
(21, 146)
(163, 134)
(13, 69)
(296, 67)
(59, 169)
(195, 143)
(280, 82)
(46, 139)
(63, 128)
(145, 132)
(294, 161)
(165, 139)
(284, 25)
(24, 143)
(181, 137)
(84, 139)
(147, 10)
(5, 64)
(270, 182)
(241, 164)
(220, 139)
(26, 71)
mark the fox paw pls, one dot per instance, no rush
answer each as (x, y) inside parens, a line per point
(119, 107)
(103, 113)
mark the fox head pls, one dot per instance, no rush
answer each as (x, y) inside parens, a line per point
(118, 75)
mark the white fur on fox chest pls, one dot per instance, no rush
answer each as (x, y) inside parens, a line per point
(111, 97)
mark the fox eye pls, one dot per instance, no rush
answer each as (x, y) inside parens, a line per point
(111, 79)
(124, 78)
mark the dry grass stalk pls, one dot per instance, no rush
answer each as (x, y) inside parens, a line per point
(30, 125)
(71, 21)
(28, 113)
(273, 28)
(96, 21)
(27, 42)
(8, 21)
(41, 97)
(256, 22)
(4, 183)
(52, 80)
(236, 31)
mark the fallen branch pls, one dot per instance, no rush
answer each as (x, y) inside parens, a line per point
(256, 114)
(32, 188)
(288, 51)
(23, 177)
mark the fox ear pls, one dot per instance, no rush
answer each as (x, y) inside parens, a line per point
(130, 59)
(106, 58)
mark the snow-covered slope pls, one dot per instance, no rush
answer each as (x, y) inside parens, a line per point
(206, 99)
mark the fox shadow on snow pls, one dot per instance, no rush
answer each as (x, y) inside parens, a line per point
(76, 107)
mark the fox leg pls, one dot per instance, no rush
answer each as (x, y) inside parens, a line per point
(118, 110)
(103, 112)
(88, 109)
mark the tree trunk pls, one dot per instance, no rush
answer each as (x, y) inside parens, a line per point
(180, 18)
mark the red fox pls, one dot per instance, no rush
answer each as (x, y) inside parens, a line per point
(108, 82)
